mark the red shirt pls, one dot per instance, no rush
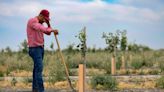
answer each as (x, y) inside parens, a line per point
(35, 32)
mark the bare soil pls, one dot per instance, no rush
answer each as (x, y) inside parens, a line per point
(65, 90)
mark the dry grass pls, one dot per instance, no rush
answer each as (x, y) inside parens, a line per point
(20, 65)
(146, 85)
(21, 73)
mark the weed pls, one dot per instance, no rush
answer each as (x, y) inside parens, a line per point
(104, 82)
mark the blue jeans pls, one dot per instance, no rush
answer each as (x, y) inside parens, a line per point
(37, 54)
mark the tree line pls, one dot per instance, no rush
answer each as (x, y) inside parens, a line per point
(115, 41)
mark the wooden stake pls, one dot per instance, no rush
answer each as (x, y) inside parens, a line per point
(81, 78)
(123, 63)
(113, 66)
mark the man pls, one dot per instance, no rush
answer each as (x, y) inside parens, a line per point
(35, 32)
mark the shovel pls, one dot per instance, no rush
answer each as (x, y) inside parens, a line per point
(65, 66)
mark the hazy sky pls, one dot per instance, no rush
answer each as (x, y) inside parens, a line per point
(143, 20)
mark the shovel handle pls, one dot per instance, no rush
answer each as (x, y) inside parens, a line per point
(61, 55)
(66, 68)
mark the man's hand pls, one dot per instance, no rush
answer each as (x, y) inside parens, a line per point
(48, 23)
(55, 31)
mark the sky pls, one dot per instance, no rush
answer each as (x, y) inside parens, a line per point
(143, 20)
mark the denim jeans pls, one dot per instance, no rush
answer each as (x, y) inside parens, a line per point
(37, 54)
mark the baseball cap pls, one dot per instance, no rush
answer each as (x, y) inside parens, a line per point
(45, 13)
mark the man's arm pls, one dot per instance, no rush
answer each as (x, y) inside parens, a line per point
(39, 27)
(53, 30)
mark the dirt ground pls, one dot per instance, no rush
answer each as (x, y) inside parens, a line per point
(126, 84)
(65, 90)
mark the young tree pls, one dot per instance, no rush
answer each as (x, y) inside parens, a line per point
(83, 48)
(82, 45)
(24, 47)
(123, 40)
(112, 40)
(8, 50)
(52, 46)
(123, 48)
(2, 51)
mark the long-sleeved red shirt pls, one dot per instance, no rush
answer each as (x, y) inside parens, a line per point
(35, 32)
